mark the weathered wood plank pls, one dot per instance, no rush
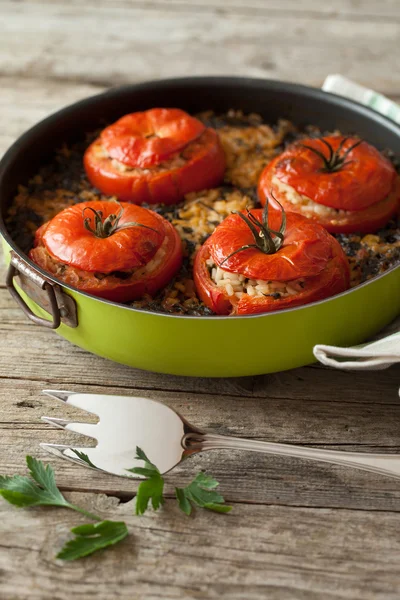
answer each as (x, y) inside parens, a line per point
(55, 52)
(138, 43)
(254, 552)
(24, 102)
(341, 9)
(246, 477)
(353, 419)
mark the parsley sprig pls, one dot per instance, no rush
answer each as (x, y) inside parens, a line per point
(40, 489)
(200, 492)
(92, 537)
(150, 489)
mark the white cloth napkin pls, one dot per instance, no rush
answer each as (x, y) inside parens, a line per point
(374, 355)
(384, 352)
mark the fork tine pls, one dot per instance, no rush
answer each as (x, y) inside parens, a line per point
(61, 451)
(61, 423)
(82, 428)
(73, 399)
(58, 394)
(55, 446)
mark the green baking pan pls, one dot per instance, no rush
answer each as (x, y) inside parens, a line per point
(184, 345)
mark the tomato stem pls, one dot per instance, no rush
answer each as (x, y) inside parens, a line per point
(110, 225)
(335, 161)
(267, 240)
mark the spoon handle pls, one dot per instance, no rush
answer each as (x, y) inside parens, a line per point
(384, 464)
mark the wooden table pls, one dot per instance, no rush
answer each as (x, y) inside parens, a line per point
(298, 530)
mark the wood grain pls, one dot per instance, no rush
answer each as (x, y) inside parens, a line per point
(120, 42)
(24, 102)
(345, 9)
(299, 530)
(246, 478)
(254, 552)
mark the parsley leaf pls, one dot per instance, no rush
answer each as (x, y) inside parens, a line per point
(150, 489)
(84, 457)
(93, 537)
(201, 493)
(39, 490)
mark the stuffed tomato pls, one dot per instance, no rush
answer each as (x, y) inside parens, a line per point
(343, 183)
(155, 156)
(259, 262)
(115, 251)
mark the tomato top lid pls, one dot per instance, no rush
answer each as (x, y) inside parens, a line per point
(345, 173)
(145, 139)
(104, 236)
(302, 247)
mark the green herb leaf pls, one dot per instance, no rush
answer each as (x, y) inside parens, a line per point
(206, 481)
(84, 457)
(38, 490)
(183, 502)
(41, 490)
(93, 537)
(149, 467)
(140, 455)
(201, 493)
(143, 471)
(151, 489)
(44, 476)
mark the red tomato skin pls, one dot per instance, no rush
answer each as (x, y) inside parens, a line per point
(143, 139)
(366, 220)
(212, 296)
(306, 250)
(366, 179)
(69, 242)
(151, 284)
(202, 170)
(114, 289)
(333, 280)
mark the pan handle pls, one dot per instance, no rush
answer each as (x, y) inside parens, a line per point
(18, 267)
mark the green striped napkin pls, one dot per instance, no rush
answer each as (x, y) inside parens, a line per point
(386, 351)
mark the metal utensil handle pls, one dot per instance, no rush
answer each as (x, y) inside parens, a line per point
(384, 464)
(55, 312)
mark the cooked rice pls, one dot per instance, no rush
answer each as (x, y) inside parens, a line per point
(307, 207)
(238, 285)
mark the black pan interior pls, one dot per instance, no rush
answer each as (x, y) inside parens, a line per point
(271, 99)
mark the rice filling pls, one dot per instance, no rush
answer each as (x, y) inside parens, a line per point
(307, 206)
(238, 285)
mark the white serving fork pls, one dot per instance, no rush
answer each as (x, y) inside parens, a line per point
(126, 423)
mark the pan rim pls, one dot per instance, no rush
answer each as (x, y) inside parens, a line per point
(295, 88)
